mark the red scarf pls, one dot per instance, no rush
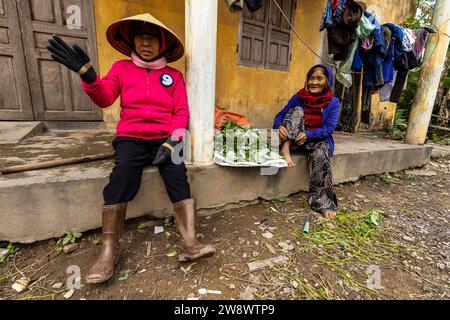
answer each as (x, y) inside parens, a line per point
(315, 101)
(314, 107)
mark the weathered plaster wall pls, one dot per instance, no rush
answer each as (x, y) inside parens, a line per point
(255, 92)
(260, 93)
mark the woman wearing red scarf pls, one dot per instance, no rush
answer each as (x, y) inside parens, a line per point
(154, 115)
(306, 125)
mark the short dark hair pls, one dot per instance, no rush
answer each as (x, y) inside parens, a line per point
(310, 72)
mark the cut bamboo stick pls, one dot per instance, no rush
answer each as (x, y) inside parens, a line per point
(439, 128)
(55, 163)
(357, 99)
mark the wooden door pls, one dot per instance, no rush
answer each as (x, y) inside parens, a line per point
(15, 101)
(56, 92)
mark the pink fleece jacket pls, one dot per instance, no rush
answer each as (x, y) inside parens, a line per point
(153, 102)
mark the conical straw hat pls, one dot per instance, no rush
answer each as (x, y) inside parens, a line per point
(118, 35)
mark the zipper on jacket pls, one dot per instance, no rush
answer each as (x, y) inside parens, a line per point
(147, 85)
(147, 82)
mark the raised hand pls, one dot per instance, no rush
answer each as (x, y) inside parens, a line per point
(73, 58)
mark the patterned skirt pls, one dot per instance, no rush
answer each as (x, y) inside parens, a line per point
(322, 196)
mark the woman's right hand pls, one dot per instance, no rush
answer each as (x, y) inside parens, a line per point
(282, 131)
(73, 58)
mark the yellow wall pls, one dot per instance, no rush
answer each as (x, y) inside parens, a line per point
(260, 93)
(257, 93)
(394, 11)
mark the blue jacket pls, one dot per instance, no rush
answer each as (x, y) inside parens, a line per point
(372, 60)
(397, 34)
(329, 122)
(330, 115)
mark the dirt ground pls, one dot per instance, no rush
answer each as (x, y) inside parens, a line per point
(392, 227)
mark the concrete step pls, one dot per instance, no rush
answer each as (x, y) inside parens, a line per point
(440, 150)
(42, 204)
(12, 132)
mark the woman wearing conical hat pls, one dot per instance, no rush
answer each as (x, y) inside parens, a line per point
(154, 115)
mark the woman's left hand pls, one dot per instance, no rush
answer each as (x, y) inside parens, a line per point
(301, 138)
(164, 153)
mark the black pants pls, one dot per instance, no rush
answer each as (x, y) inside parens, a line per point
(132, 155)
(322, 196)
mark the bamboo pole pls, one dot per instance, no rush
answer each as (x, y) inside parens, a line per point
(439, 128)
(55, 163)
(357, 99)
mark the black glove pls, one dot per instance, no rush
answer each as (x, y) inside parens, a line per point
(165, 151)
(73, 58)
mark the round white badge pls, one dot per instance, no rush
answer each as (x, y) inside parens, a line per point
(166, 80)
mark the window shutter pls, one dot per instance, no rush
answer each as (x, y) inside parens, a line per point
(279, 35)
(265, 36)
(253, 37)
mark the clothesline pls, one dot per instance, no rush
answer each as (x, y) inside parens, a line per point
(323, 58)
(309, 47)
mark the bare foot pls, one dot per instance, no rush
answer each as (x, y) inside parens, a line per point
(329, 214)
(286, 154)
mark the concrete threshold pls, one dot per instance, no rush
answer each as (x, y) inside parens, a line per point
(43, 204)
(12, 132)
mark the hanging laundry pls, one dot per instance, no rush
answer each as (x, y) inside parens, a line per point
(342, 32)
(235, 5)
(397, 35)
(333, 13)
(389, 72)
(419, 47)
(408, 62)
(343, 74)
(372, 60)
(367, 43)
(353, 13)
(409, 39)
(388, 62)
(254, 5)
(386, 91)
(339, 39)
